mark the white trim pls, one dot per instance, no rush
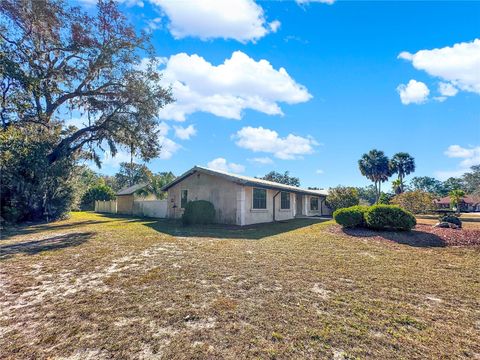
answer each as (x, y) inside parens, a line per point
(241, 206)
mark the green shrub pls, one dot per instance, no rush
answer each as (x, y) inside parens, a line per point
(98, 192)
(389, 217)
(350, 217)
(452, 219)
(198, 212)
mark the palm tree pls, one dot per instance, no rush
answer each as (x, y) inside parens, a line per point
(397, 186)
(375, 166)
(156, 183)
(456, 197)
(402, 164)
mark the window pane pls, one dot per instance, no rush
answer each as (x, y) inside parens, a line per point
(313, 203)
(259, 199)
(285, 200)
(184, 199)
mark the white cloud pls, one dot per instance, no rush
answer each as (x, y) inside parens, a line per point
(447, 89)
(261, 160)
(122, 155)
(222, 164)
(301, 2)
(319, 172)
(241, 20)
(169, 147)
(415, 92)
(266, 140)
(458, 65)
(226, 90)
(470, 156)
(185, 133)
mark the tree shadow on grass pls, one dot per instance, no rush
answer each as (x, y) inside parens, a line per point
(33, 228)
(47, 244)
(252, 232)
(414, 238)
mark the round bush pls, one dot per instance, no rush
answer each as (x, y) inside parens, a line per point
(451, 219)
(198, 212)
(389, 217)
(350, 217)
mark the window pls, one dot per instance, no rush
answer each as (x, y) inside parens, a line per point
(259, 198)
(314, 203)
(184, 199)
(284, 200)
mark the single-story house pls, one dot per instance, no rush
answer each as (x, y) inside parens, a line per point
(243, 200)
(127, 196)
(469, 203)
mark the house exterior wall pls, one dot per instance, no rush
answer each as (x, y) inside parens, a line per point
(323, 209)
(256, 216)
(221, 193)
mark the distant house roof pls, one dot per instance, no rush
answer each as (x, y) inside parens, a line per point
(467, 199)
(244, 180)
(131, 189)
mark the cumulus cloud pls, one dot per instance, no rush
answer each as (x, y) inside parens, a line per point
(456, 65)
(265, 140)
(415, 92)
(447, 89)
(470, 156)
(319, 172)
(241, 20)
(261, 160)
(222, 164)
(226, 90)
(185, 133)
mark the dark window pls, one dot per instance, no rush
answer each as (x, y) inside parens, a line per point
(284, 200)
(259, 198)
(313, 203)
(184, 199)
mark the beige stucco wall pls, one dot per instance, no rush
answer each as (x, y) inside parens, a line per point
(221, 193)
(124, 204)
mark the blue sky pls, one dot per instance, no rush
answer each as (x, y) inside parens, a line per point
(357, 75)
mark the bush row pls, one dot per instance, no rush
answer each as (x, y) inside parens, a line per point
(198, 212)
(378, 217)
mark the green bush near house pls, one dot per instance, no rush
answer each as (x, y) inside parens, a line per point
(350, 217)
(198, 212)
(389, 217)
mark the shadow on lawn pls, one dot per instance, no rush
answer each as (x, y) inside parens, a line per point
(32, 228)
(253, 232)
(414, 238)
(47, 244)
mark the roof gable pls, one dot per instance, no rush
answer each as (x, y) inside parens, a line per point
(131, 189)
(244, 180)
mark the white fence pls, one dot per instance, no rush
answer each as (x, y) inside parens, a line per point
(106, 206)
(149, 208)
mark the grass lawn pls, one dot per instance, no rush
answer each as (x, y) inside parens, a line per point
(95, 287)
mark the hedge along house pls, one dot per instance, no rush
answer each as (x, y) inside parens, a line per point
(243, 200)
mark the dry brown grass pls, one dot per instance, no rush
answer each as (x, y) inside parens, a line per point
(97, 287)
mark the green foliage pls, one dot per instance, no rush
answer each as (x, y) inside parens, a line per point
(280, 178)
(452, 219)
(471, 181)
(385, 198)
(131, 174)
(427, 184)
(351, 216)
(342, 197)
(456, 197)
(375, 166)
(389, 217)
(417, 202)
(156, 183)
(31, 187)
(402, 164)
(367, 194)
(98, 192)
(198, 212)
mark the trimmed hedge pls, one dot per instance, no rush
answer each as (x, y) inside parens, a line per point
(389, 217)
(198, 212)
(350, 217)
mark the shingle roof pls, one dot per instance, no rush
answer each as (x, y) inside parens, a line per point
(131, 189)
(244, 180)
(467, 199)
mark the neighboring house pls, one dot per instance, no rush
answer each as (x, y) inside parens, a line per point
(126, 198)
(243, 200)
(469, 203)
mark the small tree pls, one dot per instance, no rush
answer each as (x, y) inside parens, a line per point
(375, 166)
(402, 164)
(100, 192)
(131, 174)
(284, 178)
(428, 184)
(158, 181)
(456, 197)
(342, 197)
(417, 202)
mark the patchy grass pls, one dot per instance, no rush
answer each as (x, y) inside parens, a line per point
(98, 287)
